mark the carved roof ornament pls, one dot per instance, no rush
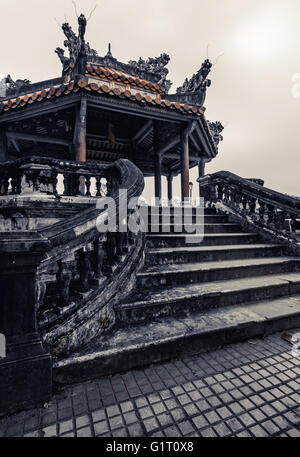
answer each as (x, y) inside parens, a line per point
(193, 91)
(157, 66)
(16, 86)
(216, 128)
(80, 53)
(79, 50)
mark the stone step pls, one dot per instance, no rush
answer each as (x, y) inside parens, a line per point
(153, 342)
(199, 272)
(194, 228)
(176, 210)
(169, 256)
(208, 218)
(192, 298)
(210, 239)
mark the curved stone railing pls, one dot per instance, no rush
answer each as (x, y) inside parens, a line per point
(59, 285)
(49, 176)
(263, 207)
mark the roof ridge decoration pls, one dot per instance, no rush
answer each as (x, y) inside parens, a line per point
(14, 87)
(75, 64)
(80, 52)
(193, 90)
(157, 66)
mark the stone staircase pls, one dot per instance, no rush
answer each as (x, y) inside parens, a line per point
(191, 297)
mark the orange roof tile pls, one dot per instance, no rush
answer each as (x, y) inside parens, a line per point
(119, 76)
(95, 88)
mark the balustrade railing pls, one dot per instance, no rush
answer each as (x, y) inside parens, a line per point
(263, 206)
(59, 284)
(53, 177)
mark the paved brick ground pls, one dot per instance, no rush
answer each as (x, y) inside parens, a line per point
(245, 389)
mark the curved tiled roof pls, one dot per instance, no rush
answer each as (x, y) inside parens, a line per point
(120, 76)
(98, 88)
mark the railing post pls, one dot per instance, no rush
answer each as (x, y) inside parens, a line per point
(26, 371)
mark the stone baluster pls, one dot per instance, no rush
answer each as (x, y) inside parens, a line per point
(77, 185)
(261, 212)
(252, 207)
(67, 180)
(54, 182)
(97, 261)
(88, 186)
(270, 214)
(81, 183)
(98, 186)
(227, 195)
(237, 199)
(244, 204)
(83, 268)
(293, 222)
(14, 185)
(64, 277)
(212, 194)
(220, 191)
(4, 185)
(40, 293)
(280, 219)
(111, 252)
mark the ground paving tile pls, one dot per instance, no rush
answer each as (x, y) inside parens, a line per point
(241, 390)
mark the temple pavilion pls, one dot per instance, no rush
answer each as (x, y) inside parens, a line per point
(101, 109)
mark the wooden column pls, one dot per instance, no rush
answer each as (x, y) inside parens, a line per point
(201, 172)
(3, 144)
(157, 176)
(79, 141)
(201, 168)
(170, 190)
(157, 163)
(185, 163)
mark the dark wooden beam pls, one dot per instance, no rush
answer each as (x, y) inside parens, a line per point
(134, 109)
(16, 146)
(173, 155)
(204, 140)
(39, 109)
(143, 132)
(169, 145)
(195, 143)
(37, 138)
(3, 144)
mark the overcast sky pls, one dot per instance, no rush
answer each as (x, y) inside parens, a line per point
(251, 92)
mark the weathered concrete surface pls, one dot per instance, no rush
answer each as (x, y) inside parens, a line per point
(19, 213)
(162, 340)
(179, 300)
(168, 256)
